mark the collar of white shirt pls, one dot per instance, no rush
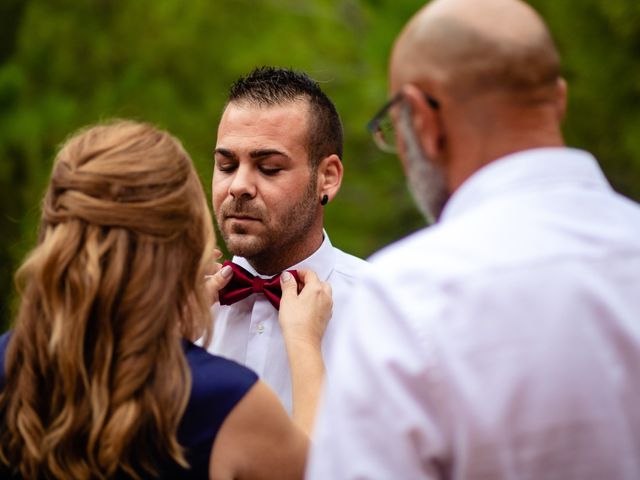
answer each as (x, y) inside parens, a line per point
(322, 261)
(528, 170)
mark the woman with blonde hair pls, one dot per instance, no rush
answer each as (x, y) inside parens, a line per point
(100, 378)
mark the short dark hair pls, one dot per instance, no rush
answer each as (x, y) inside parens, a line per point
(267, 86)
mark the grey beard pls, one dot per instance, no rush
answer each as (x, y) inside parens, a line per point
(426, 182)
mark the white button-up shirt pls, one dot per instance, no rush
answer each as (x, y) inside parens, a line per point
(249, 333)
(501, 343)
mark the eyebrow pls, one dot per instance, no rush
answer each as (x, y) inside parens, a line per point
(261, 153)
(225, 153)
(266, 152)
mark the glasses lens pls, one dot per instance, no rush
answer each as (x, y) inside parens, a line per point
(384, 134)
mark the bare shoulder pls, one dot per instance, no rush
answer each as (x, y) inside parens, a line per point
(258, 441)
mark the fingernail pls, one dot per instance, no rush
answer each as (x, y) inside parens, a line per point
(286, 276)
(226, 271)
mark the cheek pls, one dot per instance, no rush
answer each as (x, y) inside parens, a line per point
(218, 193)
(281, 202)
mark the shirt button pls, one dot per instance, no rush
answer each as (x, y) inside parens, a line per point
(260, 328)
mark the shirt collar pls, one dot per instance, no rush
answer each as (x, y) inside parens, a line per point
(528, 170)
(321, 261)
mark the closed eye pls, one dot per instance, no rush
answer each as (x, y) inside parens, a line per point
(225, 160)
(269, 171)
(226, 166)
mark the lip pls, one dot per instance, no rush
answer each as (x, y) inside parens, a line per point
(242, 218)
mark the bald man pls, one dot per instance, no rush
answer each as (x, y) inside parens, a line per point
(503, 342)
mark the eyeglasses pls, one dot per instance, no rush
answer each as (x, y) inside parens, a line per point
(381, 126)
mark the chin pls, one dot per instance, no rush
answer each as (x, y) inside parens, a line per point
(244, 245)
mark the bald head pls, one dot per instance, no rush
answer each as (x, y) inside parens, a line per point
(470, 47)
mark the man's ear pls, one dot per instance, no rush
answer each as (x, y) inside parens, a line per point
(561, 98)
(425, 121)
(330, 174)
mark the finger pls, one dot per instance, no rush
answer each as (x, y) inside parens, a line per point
(213, 269)
(213, 266)
(289, 285)
(221, 277)
(215, 282)
(308, 276)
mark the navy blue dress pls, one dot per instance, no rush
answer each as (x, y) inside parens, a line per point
(217, 385)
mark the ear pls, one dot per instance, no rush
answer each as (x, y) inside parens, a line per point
(330, 174)
(426, 122)
(561, 98)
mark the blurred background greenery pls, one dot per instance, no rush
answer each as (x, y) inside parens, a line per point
(68, 63)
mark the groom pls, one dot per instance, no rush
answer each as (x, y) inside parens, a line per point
(277, 165)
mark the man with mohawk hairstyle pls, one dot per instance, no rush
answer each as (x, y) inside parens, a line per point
(277, 165)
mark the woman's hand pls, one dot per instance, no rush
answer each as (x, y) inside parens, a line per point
(218, 277)
(303, 320)
(304, 316)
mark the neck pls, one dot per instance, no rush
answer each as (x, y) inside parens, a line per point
(275, 261)
(513, 134)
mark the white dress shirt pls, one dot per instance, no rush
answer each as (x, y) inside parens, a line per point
(501, 343)
(249, 333)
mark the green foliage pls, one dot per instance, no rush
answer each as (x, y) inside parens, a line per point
(599, 42)
(68, 63)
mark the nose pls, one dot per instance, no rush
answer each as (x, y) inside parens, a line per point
(242, 184)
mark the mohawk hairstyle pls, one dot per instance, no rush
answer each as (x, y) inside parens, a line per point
(270, 86)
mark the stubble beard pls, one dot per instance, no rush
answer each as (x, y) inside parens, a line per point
(426, 181)
(281, 237)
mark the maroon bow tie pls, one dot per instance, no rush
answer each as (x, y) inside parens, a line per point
(244, 283)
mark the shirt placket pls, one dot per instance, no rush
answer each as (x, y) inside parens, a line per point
(260, 332)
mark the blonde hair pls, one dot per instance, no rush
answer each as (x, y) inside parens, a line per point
(96, 378)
